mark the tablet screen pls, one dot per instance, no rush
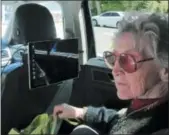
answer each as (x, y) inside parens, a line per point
(51, 62)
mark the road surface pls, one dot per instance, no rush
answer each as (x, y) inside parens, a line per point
(103, 38)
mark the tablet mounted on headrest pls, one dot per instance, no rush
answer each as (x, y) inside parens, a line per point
(57, 63)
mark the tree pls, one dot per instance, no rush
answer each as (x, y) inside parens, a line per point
(98, 8)
(92, 6)
(129, 5)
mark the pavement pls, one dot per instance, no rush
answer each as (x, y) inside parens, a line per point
(103, 39)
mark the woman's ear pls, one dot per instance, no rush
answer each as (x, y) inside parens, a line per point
(164, 74)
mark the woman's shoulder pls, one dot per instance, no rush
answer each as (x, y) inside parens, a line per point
(162, 108)
(158, 117)
(145, 121)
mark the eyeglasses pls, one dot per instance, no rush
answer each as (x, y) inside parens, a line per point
(126, 61)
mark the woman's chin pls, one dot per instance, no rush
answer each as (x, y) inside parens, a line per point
(123, 94)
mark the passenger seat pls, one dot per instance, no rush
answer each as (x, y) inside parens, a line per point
(32, 22)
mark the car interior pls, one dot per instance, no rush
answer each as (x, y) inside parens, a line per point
(33, 22)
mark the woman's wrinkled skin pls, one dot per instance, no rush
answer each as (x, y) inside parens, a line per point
(137, 84)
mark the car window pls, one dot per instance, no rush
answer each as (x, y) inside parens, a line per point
(105, 28)
(7, 11)
(53, 6)
(106, 14)
(115, 14)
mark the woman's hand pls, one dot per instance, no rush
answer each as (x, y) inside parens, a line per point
(68, 111)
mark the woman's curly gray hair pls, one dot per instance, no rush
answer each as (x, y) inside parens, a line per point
(154, 29)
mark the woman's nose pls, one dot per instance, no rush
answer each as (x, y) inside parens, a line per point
(116, 68)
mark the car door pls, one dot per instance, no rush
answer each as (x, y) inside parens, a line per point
(104, 19)
(114, 19)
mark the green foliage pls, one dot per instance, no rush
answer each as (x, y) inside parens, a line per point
(112, 5)
(141, 5)
(93, 7)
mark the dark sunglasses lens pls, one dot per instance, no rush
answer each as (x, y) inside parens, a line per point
(127, 63)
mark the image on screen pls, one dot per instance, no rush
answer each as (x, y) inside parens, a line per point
(51, 62)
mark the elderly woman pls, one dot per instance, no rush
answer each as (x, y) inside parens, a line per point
(139, 63)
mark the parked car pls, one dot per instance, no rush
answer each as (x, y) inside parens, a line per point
(110, 19)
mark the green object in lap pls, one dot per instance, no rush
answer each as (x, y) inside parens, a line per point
(42, 124)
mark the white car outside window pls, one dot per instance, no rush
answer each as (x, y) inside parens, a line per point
(110, 19)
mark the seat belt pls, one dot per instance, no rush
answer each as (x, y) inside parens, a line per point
(62, 96)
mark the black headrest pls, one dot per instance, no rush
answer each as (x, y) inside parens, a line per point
(32, 22)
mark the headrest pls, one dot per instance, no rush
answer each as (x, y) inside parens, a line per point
(32, 22)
